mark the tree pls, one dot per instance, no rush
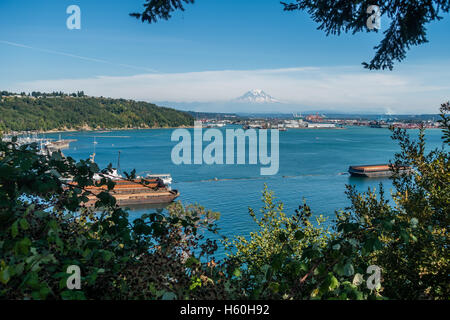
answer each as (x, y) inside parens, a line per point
(273, 225)
(157, 9)
(45, 113)
(408, 20)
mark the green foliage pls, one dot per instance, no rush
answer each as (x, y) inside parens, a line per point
(417, 246)
(39, 237)
(294, 258)
(68, 112)
(271, 258)
(275, 231)
(445, 121)
(409, 241)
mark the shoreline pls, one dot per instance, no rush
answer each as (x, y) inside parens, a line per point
(104, 130)
(88, 129)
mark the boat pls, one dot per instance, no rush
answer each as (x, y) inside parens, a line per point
(136, 192)
(140, 191)
(377, 170)
(59, 144)
(153, 189)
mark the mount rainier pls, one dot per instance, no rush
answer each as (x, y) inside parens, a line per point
(256, 96)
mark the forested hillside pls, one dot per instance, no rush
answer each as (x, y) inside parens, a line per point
(19, 113)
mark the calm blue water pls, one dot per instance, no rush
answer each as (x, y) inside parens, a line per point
(313, 165)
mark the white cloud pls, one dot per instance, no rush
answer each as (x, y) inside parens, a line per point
(331, 88)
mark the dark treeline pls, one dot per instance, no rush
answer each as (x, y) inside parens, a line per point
(58, 110)
(38, 94)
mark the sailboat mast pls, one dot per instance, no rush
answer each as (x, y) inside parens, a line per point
(118, 162)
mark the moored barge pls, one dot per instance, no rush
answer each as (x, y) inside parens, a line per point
(377, 170)
(152, 190)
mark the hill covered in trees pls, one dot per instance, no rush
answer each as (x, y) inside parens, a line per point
(20, 112)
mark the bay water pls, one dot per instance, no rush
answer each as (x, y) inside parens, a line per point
(313, 166)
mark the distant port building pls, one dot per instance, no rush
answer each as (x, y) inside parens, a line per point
(312, 122)
(315, 118)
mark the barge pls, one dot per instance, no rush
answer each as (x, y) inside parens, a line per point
(377, 170)
(59, 144)
(152, 190)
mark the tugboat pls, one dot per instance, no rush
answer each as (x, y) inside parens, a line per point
(377, 170)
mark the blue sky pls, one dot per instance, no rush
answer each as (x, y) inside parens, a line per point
(215, 51)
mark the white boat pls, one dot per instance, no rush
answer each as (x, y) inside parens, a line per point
(166, 178)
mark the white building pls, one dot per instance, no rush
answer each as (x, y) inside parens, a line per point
(295, 124)
(321, 125)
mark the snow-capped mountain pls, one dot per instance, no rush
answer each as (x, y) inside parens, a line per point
(256, 96)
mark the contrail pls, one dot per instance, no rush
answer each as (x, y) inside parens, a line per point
(77, 56)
